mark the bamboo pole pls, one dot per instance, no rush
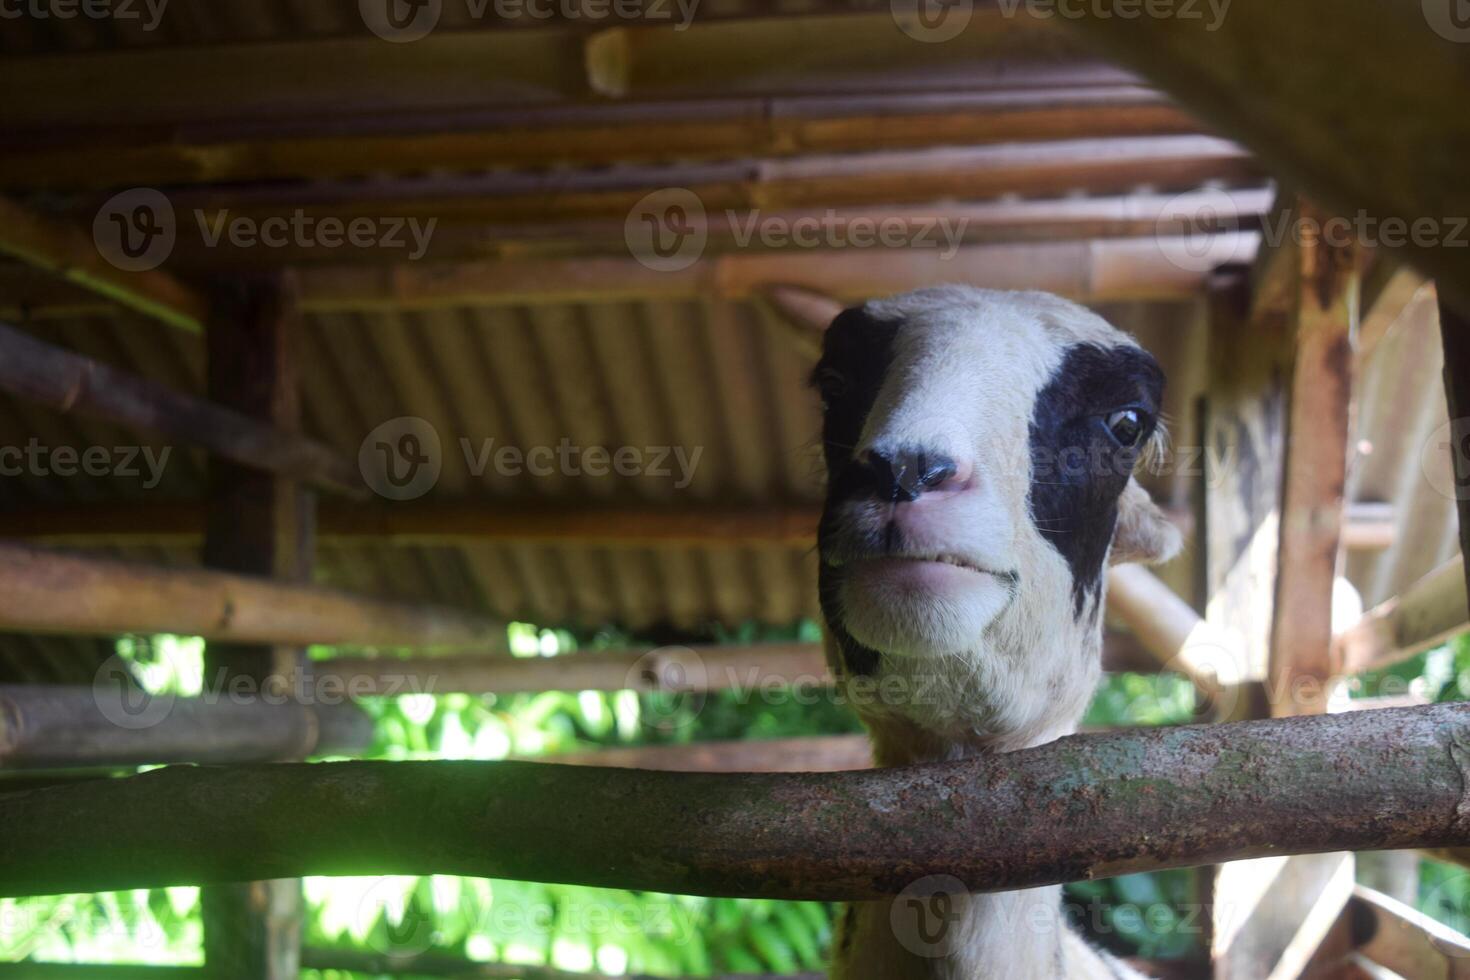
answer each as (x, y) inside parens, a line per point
(70, 383)
(55, 592)
(106, 725)
(1081, 807)
(55, 247)
(1425, 614)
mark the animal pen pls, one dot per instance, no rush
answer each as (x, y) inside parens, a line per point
(283, 280)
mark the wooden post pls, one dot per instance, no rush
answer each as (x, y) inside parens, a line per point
(1454, 332)
(1280, 402)
(1314, 467)
(262, 524)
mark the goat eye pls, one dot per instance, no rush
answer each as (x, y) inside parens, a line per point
(832, 385)
(1126, 426)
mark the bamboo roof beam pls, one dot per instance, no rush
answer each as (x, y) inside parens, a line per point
(55, 247)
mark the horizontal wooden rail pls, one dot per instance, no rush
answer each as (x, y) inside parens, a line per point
(70, 383)
(690, 669)
(1427, 613)
(45, 727)
(459, 522)
(540, 136)
(1081, 807)
(811, 753)
(771, 184)
(1089, 271)
(57, 592)
(50, 245)
(671, 668)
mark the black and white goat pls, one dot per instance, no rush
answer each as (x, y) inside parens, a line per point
(979, 449)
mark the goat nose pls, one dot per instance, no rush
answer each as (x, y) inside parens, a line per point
(904, 474)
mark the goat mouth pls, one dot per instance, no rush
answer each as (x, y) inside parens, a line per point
(956, 561)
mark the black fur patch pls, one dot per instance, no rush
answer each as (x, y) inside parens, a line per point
(1078, 468)
(856, 353)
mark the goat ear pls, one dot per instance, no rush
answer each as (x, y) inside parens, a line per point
(1143, 533)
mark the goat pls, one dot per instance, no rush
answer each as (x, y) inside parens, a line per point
(979, 448)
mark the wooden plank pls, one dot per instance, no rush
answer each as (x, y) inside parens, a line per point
(1271, 913)
(1454, 330)
(1315, 469)
(1303, 115)
(1405, 940)
(1424, 615)
(1391, 292)
(1067, 810)
(537, 137)
(70, 383)
(48, 244)
(56, 592)
(44, 727)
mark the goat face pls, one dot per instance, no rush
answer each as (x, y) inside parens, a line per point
(979, 449)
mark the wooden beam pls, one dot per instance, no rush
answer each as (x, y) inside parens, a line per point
(461, 522)
(258, 523)
(70, 383)
(697, 669)
(821, 753)
(1173, 633)
(446, 71)
(537, 137)
(1390, 293)
(1095, 271)
(1426, 614)
(1303, 115)
(1063, 811)
(771, 183)
(108, 726)
(1454, 330)
(62, 250)
(1319, 419)
(1405, 940)
(56, 592)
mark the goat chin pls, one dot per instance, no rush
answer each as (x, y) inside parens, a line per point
(921, 609)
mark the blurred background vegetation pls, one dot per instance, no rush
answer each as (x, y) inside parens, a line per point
(614, 932)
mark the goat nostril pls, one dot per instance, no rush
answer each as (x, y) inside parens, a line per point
(902, 476)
